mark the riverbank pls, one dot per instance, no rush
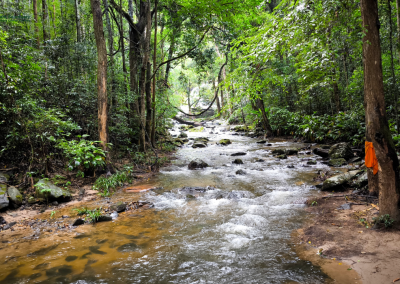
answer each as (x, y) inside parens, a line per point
(341, 231)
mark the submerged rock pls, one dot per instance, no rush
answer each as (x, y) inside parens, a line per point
(45, 188)
(182, 135)
(337, 162)
(14, 195)
(290, 152)
(199, 145)
(238, 154)
(119, 207)
(278, 152)
(262, 142)
(312, 162)
(225, 142)
(78, 222)
(3, 197)
(282, 157)
(337, 182)
(197, 164)
(240, 172)
(238, 162)
(341, 150)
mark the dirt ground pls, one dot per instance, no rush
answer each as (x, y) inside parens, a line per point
(348, 237)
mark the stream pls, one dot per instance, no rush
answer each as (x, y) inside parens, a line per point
(238, 229)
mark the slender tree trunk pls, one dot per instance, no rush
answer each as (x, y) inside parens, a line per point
(336, 96)
(170, 54)
(101, 74)
(153, 126)
(377, 128)
(189, 104)
(398, 27)
(148, 103)
(394, 87)
(44, 21)
(78, 22)
(266, 124)
(54, 19)
(35, 16)
(217, 98)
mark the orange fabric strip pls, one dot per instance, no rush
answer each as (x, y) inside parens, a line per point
(370, 158)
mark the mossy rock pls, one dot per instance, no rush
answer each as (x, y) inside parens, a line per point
(312, 162)
(338, 182)
(224, 142)
(197, 129)
(4, 202)
(46, 189)
(341, 150)
(182, 135)
(179, 141)
(278, 152)
(14, 195)
(282, 157)
(337, 162)
(290, 152)
(4, 178)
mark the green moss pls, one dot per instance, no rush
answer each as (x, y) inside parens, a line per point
(197, 129)
(19, 197)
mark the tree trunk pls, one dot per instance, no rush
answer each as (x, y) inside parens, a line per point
(35, 16)
(377, 128)
(217, 99)
(153, 127)
(78, 22)
(54, 19)
(398, 27)
(44, 22)
(149, 113)
(393, 88)
(266, 124)
(101, 74)
(189, 103)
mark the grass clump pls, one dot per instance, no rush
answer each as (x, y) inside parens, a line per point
(385, 220)
(105, 185)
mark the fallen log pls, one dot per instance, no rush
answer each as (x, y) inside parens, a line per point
(181, 121)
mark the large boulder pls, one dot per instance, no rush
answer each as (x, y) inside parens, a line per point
(362, 180)
(341, 150)
(46, 189)
(3, 197)
(197, 164)
(338, 182)
(14, 195)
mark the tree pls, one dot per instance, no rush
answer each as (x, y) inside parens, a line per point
(377, 128)
(101, 74)
(44, 22)
(35, 16)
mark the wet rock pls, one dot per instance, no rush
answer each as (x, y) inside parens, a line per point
(119, 207)
(225, 142)
(203, 140)
(55, 203)
(189, 196)
(4, 202)
(325, 147)
(129, 247)
(197, 164)
(199, 145)
(182, 135)
(337, 162)
(260, 160)
(4, 178)
(2, 221)
(179, 141)
(240, 172)
(355, 160)
(43, 251)
(238, 162)
(78, 222)
(239, 128)
(46, 189)
(10, 225)
(14, 195)
(290, 167)
(290, 152)
(313, 162)
(185, 140)
(269, 144)
(261, 142)
(362, 180)
(341, 150)
(338, 182)
(321, 152)
(238, 154)
(104, 218)
(282, 157)
(70, 258)
(278, 152)
(62, 270)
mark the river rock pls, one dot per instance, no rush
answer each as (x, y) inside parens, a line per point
(2, 221)
(3, 197)
(238, 162)
(240, 172)
(262, 142)
(341, 150)
(104, 218)
(179, 141)
(78, 222)
(337, 182)
(355, 160)
(199, 145)
(290, 152)
(182, 135)
(225, 142)
(238, 154)
(14, 195)
(362, 180)
(197, 164)
(4, 178)
(278, 152)
(119, 207)
(321, 152)
(282, 157)
(337, 162)
(240, 128)
(312, 162)
(54, 192)
(202, 139)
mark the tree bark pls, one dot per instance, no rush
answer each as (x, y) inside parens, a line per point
(153, 127)
(78, 22)
(44, 21)
(35, 16)
(217, 99)
(398, 27)
(149, 113)
(393, 88)
(377, 128)
(101, 74)
(266, 124)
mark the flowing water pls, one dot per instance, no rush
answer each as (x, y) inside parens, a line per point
(236, 231)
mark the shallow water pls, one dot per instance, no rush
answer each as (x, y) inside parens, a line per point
(237, 231)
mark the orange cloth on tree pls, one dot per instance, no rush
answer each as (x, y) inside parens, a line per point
(370, 158)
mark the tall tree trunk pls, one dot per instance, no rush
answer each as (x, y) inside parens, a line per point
(377, 128)
(153, 126)
(148, 103)
(217, 98)
(35, 16)
(54, 19)
(266, 124)
(393, 88)
(44, 22)
(101, 74)
(398, 27)
(222, 89)
(336, 96)
(78, 22)
(188, 95)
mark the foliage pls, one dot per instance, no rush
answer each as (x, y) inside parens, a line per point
(81, 211)
(385, 220)
(93, 215)
(105, 184)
